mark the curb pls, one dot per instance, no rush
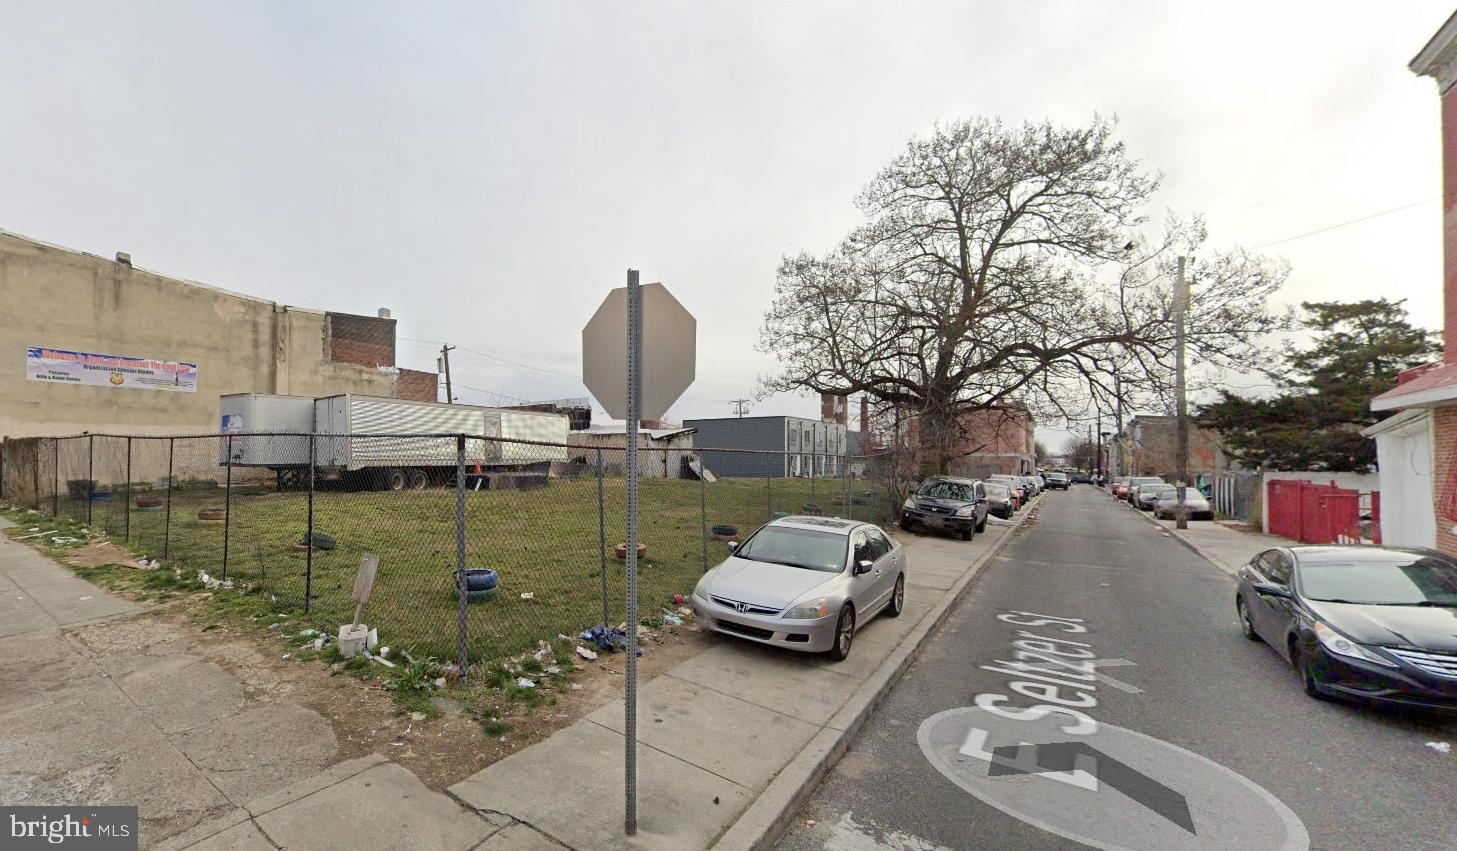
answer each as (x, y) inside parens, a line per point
(1188, 544)
(766, 819)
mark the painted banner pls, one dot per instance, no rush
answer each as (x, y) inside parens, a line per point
(67, 367)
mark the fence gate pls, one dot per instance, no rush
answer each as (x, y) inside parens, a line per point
(1313, 513)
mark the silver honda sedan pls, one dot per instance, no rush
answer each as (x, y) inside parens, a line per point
(804, 583)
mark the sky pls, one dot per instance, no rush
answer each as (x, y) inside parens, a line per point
(488, 171)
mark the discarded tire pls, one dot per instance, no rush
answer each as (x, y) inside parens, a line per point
(321, 541)
(724, 529)
(480, 583)
(642, 550)
(211, 514)
(145, 502)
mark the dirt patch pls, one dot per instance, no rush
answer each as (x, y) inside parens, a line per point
(100, 553)
(440, 750)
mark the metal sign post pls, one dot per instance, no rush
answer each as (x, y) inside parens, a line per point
(648, 370)
(634, 398)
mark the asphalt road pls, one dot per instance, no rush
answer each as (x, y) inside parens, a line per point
(1261, 765)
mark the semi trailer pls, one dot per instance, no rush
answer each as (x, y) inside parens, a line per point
(378, 443)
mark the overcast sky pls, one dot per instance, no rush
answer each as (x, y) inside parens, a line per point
(488, 171)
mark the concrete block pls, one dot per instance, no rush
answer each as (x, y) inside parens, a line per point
(90, 728)
(780, 680)
(337, 773)
(383, 807)
(519, 837)
(181, 692)
(732, 738)
(677, 806)
(260, 750)
(241, 837)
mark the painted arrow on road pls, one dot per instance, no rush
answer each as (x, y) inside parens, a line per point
(1080, 756)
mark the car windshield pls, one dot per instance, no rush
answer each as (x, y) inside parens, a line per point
(1057, 477)
(998, 491)
(946, 490)
(805, 548)
(1172, 495)
(1150, 481)
(1425, 580)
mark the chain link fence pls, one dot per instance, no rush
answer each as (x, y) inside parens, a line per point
(486, 545)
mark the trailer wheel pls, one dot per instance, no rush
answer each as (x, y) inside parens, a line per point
(418, 479)
(394, 479)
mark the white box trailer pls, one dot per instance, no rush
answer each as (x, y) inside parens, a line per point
(390, 437)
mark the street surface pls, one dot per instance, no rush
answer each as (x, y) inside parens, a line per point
(1186, 734)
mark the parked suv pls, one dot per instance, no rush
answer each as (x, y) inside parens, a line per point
(947, 502)
(1058, 481)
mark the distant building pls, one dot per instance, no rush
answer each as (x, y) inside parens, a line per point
(1151, 443)
(99, 345)
(785, 446)
(995, 441)
(668, 450)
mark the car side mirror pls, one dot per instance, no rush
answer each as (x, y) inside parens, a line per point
(863, 566)
(733, 545)
(1270, 589)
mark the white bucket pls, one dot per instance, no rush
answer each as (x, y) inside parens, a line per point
(351, 639)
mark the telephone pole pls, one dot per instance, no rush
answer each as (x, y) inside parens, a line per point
(741, 406)
(1115, 463)
(445, 367)
(1181, 305)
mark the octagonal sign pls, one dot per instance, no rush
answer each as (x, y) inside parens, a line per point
(669, 346)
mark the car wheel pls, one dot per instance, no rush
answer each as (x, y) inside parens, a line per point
(982, 526)
(907, 525)
(967, 534)
(844, 634)
(1244, 619)
(897, 598)
(1307, 674)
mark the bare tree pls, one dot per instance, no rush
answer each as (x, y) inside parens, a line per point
(999, 265)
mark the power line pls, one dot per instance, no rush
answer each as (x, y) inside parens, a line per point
(1349, 222)
(489, 356)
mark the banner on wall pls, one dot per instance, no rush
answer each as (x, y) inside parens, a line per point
(63, 366)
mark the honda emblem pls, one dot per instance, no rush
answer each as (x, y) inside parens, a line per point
(742, 607)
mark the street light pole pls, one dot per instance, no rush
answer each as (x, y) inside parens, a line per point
(1181, 305)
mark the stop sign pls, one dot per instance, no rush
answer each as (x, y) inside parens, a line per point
(668, 352)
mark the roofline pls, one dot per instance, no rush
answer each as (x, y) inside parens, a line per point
(1438, 57)
(1429, 398)
(1395, 423)
(188, 281)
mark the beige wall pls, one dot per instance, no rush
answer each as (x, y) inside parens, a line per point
(64, 299)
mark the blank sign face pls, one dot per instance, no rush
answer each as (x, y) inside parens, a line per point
(669, 350)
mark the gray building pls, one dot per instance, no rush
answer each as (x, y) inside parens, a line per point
(783, 446)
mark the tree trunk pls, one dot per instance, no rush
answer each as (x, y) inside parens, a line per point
(933, 450)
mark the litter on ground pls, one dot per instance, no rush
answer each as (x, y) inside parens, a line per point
(1440, 747)
(525, 682)
(586, 654)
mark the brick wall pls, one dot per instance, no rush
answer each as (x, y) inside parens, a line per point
(417, 386)
(1156, 451)
(1444, 439)
(363, 340)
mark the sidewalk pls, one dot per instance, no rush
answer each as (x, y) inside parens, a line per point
(101, 704)
(1229, 549)
(731, 739)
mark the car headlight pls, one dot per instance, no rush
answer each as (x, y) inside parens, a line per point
(701, 589)
(966, 511)
(909, 504)
(810, 610)
(1342, 646)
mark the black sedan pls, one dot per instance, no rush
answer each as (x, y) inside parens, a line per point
(1377, 624)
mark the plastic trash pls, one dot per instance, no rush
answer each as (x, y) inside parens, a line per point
(529, 595)
(611, 639)
(553, 669)
(383, 652)
(673, 619)
(319, 643)
(439, 682)
(525, 682)
(308, 633)
(417, 716)
(372, 639)
(585, 653)
(1440, 747)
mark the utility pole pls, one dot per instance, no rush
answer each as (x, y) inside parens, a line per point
(741, 406)
(1115, 463)
(445, 368)
(1100, 447)
(1181, 305)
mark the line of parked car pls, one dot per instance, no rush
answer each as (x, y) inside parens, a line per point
(962, 505)
(1152, 493)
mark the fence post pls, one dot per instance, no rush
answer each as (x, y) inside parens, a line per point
(460, 583)
(309, 537)
(90, 473)
(167, 521)
(227, 505)
(56, 492)
(602, 539)
(768, 499)
(35, 473)
(703, 511)
(127, 516)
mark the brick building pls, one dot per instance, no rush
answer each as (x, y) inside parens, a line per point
(1427, 396)
(991, 441)
(1151, 444)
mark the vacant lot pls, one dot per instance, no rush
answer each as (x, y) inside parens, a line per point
(542, 542)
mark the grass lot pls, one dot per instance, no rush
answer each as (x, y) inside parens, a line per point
(542, 541)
